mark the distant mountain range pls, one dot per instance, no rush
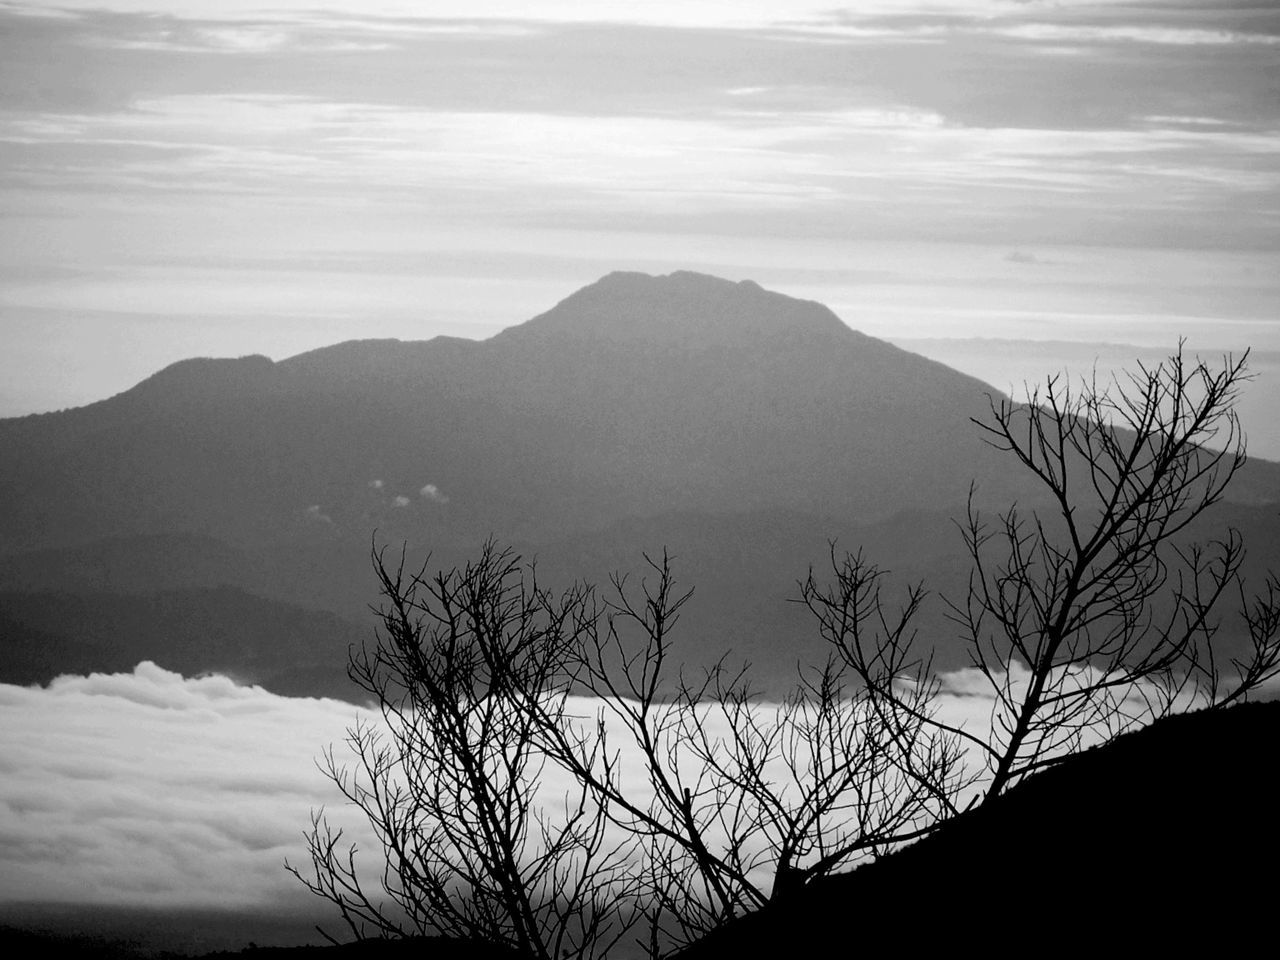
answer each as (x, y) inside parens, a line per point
(738, 427)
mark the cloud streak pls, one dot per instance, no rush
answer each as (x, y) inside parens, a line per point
(801, 165)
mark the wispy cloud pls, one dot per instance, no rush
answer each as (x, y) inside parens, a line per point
(1175, 36)
(749, 160)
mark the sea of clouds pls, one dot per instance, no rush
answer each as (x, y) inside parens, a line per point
(153, 789)
(148, 788)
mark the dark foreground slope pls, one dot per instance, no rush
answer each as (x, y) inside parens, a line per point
(1165, 839)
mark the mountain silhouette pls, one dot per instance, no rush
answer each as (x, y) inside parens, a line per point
(739, 427)
(635, 395)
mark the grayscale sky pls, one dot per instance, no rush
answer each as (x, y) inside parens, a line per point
(222, 177)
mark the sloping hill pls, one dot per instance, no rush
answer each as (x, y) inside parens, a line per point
(1162, 840)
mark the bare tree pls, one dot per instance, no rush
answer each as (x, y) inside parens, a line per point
(744, 802)
(451, 785)
(692, 802)
(1094, 615)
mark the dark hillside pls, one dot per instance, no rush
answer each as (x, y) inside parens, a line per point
(1162, 840)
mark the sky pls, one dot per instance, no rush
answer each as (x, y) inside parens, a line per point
(225, 177)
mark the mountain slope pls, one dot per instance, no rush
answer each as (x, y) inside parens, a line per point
(1158, 841)
(635, 395)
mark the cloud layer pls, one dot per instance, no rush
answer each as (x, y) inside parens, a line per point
(151, 789)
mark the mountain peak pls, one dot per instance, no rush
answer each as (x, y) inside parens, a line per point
(684, 309)
(689, 279)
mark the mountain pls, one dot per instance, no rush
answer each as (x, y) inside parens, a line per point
(1158, 841)
(287, 649)
(635, 396)
(139, 565)
(738, 427)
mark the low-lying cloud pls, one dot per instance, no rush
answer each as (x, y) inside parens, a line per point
(151, 789)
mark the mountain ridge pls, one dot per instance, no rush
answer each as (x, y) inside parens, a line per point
(660, 426)
(589, 314)
(701, 412)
